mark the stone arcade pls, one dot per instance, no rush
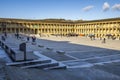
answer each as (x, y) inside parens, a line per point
(100, 28)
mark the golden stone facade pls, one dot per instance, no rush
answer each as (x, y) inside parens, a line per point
(100, 28)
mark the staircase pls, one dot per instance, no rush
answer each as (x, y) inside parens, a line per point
(43, 62)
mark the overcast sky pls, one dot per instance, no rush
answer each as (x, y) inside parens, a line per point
(67, 9)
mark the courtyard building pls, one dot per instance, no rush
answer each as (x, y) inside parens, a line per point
(99, 28)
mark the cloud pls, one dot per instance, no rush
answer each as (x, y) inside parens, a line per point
(106, 6)
(88, 8)
(116, 7)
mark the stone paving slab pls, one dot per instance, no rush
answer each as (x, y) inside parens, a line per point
(90, 54)
(113, 68)
(56, 56)
(77, 64)
(2, 70)
(104, 59)
(69, 74)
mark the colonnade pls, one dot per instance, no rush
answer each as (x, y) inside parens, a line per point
(99, 28)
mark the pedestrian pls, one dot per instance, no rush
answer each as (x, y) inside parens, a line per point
(91, 37)
(17, 35)
(3, 38)
(34, 39)
(28, 38)
(104, 40)
(5, 34)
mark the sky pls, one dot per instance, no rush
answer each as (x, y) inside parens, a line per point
(60, 9)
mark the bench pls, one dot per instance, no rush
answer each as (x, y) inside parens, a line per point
(40, 46)
(49, 48)
(60, 52)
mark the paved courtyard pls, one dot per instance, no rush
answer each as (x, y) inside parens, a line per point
(81, 51)
(85, 59)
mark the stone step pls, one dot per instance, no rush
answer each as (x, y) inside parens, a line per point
(26, 63)
(44, 65)
(56, 67)
(40, 62)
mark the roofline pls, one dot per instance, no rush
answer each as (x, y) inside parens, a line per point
(55, 20)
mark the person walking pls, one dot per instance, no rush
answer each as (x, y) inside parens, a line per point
(28, 38)
(104, 40)
(5, 34)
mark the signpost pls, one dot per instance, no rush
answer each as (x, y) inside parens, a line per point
(22, 47)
